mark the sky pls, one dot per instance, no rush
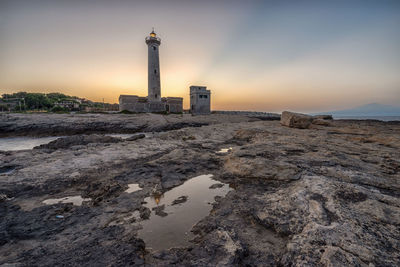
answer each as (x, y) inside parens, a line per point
(305, 56)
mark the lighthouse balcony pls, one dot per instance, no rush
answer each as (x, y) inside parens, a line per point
(151, 39)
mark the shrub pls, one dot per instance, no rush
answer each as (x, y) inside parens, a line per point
(58, 109)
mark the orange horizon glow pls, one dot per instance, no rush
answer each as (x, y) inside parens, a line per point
(252, 56)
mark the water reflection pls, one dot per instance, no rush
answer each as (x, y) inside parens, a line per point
(75, 200)
(156, 197)
(7, 169)
(29, 142)
(22, 143)
(133, 188)
(224, 150)
(174, 230)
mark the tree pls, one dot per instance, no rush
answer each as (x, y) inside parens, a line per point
(37, 101)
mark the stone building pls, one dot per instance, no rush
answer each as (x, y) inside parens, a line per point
(153, 102)
(68, 104)
(200, 100)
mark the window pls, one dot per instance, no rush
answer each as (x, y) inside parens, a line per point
(155, 95)
(154, 48)
(200, 96)
(155, 71)
(205, 96)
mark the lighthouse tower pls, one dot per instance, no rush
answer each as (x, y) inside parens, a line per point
(153, 102)
(154, 86)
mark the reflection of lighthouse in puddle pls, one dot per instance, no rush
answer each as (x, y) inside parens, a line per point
(174, 212)
(157, 197)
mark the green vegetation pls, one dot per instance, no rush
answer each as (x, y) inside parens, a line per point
(58, 109)
(34, 101)
(52, 102)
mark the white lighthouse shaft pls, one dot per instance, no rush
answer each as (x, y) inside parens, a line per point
(154, 85)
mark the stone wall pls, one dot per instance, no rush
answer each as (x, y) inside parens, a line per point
(138, 104)
(174, 104)
(132, 103)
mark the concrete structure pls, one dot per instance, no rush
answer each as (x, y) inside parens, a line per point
(200, 100)
(153, 102)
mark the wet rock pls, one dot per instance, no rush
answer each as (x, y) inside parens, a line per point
(296, 120)
(180, 200)
(145, 213)
(100, 191)
(3, 197)
(159, 211)
(135, 137)
(217, 198)
(7, 169)
(216, 186)
(80, 140)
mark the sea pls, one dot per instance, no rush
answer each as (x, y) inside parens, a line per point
(379, 118)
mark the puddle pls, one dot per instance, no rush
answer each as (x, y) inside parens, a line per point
(178, 211)
(7, 169)
(133, 188)
(224, 150)
(22, 143)
(76, 200)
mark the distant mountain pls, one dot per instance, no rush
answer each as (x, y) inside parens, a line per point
(373, 109)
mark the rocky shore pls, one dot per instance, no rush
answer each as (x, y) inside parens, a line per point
(327, 195)
(45, 124)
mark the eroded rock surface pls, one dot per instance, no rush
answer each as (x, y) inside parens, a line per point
(71, 124)
(325, 196)
(78, 140)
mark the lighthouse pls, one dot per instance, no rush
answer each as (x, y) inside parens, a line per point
(153, 102)
(154, 85)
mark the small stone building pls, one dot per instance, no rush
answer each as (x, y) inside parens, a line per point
(173, 104)
(139, 104)
(200, 100)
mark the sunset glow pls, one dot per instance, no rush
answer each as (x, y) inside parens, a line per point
(253, 55)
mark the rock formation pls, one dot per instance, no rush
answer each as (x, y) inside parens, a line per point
(296, 120)
(326, 196)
